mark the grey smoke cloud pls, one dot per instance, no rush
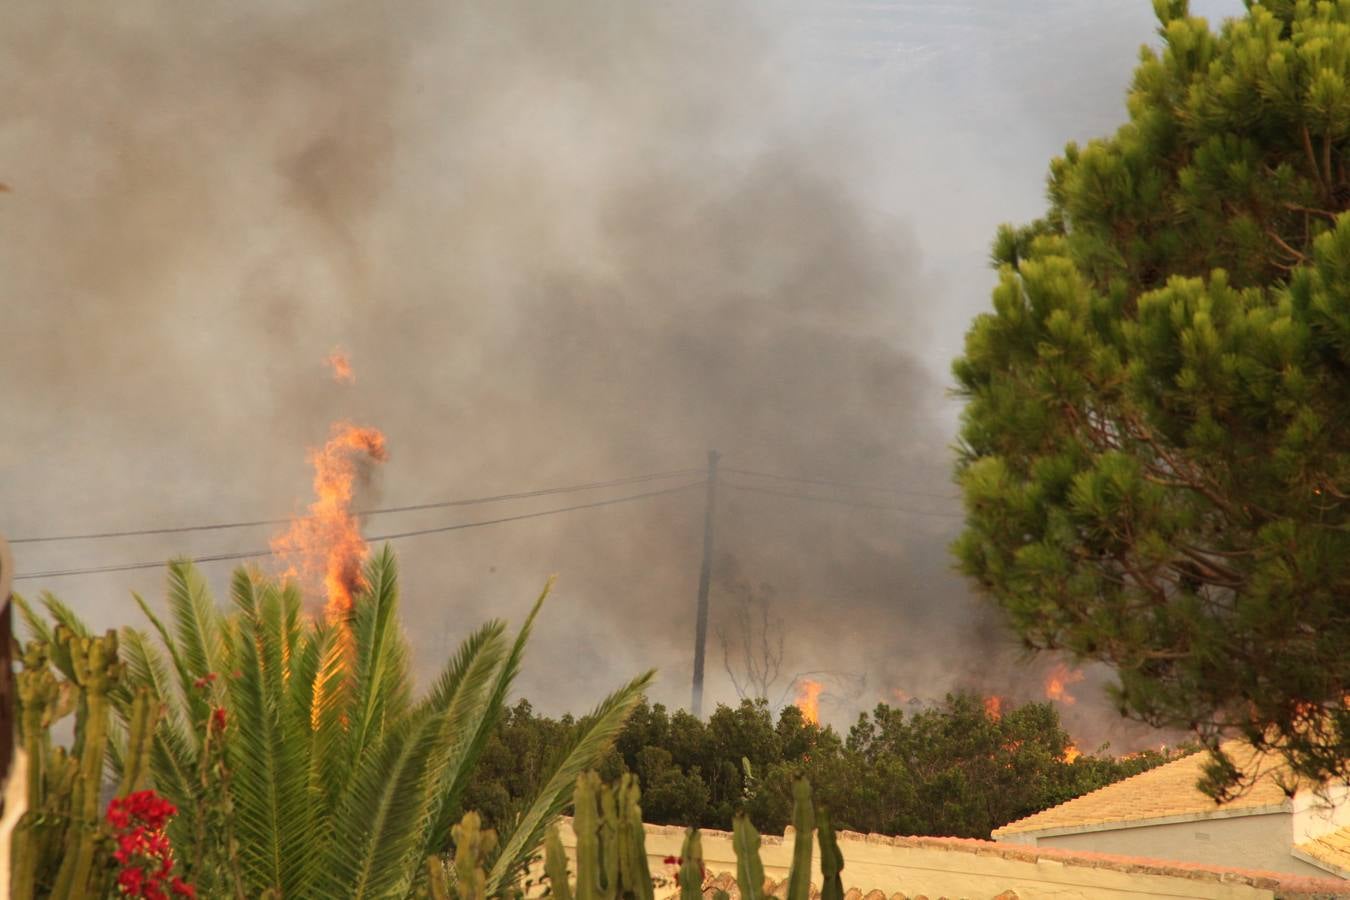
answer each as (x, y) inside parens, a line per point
(560, 242)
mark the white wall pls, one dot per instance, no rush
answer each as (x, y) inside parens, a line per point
(1245, 842)
(872, 863)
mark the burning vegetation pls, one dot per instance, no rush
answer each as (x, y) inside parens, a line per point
(808, 699)
(1058, 681)
(324, 548)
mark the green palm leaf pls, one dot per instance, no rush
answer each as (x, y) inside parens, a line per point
(266, 754)
(381, 682)
(462, 705)
(196, 619)
(172, 759)
(585, 752)
(447, 809)
(377, 825)
(64, 615)
(38, 629)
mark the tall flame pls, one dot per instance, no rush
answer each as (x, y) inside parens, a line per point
(1071, 753)
(325, 548)
(341, 366)
(1058, 681)
(993, 707)
(808, 700)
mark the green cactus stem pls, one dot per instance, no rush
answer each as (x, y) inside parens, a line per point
(831, 861)
(555, 866)
(691, 867)
(803, 820)
(96, 670)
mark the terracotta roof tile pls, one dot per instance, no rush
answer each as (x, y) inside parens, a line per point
(1332, 850)
(1163, 792)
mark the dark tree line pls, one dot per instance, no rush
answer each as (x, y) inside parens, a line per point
(952, 769)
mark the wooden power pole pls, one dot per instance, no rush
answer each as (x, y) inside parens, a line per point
(704, 581)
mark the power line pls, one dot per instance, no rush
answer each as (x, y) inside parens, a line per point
(842, 484)
(258, 554)
(533, 515)
(845, 502)
(442, 504)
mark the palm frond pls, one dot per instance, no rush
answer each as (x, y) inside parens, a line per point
(448, 680)
(196, 620)
(172, 761)
(373, 850)
(267, 756)
(469, 674)
(38, 629)
(64, 615)
(585, 752)
(330, 765)
(382, 686)
(194, 703)
(145, 665)
(448, 803)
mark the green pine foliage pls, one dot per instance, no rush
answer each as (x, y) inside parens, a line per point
(1155, 450)
(947, 770)
(303, 765)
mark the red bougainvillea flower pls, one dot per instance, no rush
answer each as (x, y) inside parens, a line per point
(218, 719)
(144, 855)
(204, 680)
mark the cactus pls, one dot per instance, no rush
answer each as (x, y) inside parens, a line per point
(804, 821)
(831, 861)
(61, 848)
(612, 859)
(466, 877)
(611, 847)
(691, 867)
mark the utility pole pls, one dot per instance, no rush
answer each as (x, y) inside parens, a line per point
(704, 581)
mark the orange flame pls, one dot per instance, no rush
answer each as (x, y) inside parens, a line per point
(1057, 682)
(901, 695)
(993, 707)
(342, 367)
(1071, 753)
(808, 700)
(325, 547)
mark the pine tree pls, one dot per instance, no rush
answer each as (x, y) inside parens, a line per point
(1155, 451)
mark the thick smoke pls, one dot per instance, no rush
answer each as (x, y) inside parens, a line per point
(560, 242)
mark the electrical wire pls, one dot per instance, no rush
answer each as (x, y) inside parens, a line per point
(844, 502)
(442, 504)
(258, 554)
(842, 484)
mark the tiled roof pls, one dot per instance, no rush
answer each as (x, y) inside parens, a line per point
(1330, 851)
(1165, 792)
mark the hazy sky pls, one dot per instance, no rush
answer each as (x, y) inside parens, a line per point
(562, 243)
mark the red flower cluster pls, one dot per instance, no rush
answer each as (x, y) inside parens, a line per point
(144, 856)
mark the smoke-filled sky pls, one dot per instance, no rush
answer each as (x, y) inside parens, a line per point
(560, 243)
